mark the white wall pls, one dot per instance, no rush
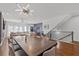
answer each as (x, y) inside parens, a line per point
(53, 22)
(72, 25)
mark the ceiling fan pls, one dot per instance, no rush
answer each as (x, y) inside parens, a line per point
(24, 9)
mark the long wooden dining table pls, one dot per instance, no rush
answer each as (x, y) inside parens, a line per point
(33, 46)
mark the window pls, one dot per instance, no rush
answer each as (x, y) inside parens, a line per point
(20, 29)
(25, 28)
(17, 28)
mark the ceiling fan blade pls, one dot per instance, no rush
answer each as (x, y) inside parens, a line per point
(21, 13)
(27, 6)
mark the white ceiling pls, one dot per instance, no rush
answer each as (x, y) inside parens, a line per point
(42, 11)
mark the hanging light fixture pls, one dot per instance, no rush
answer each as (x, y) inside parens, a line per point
(24, 9)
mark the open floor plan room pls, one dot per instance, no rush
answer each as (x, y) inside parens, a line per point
(39, 29)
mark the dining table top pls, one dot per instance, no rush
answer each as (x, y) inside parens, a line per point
(34, 46)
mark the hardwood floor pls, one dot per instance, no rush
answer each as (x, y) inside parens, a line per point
(76, 42)
(67, 49)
